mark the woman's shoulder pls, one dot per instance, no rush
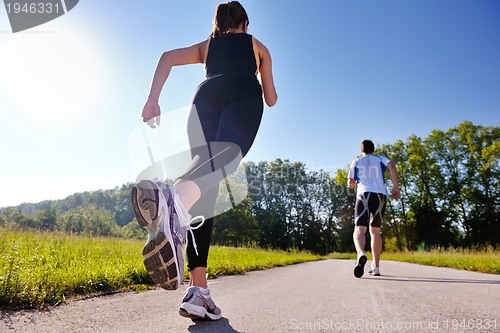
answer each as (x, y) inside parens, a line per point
(255, 40)
(262, 49)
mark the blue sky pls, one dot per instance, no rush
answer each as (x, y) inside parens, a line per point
(71, 90)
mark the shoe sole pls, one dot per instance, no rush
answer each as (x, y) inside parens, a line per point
(359, 270)
(147, 199)
(197, 313)
(159, 257)
(160, 262)
(186, 314)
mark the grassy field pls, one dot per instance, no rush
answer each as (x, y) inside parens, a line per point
(40, 269)
(486, 260)
(481, 260)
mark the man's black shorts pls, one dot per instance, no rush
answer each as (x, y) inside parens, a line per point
(369, 209)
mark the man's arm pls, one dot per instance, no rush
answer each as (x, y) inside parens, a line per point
(394, 177)
(351, 182)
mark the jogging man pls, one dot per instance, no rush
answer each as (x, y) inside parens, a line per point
(367, 172)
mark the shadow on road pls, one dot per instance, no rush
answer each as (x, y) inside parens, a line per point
(432, 280)
(220, 326)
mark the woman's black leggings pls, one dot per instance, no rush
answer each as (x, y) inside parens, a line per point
(225, 117)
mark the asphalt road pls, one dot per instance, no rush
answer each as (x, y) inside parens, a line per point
(321, 296)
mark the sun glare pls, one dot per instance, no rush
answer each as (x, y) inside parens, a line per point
(50, 75)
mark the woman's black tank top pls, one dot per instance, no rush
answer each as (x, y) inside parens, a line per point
(232, 54)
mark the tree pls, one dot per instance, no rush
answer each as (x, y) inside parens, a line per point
(133, 230)
(268, 191)
(482, 154)
(88, 220)
(46, 218)
(236, 227)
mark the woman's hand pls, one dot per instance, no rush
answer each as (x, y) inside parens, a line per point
(151, 113)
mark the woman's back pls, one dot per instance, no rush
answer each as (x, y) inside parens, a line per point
(233, 54)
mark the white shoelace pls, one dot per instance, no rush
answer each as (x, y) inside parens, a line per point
(190, 229)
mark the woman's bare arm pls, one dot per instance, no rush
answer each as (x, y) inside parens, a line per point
(266, 75)
(178, 57)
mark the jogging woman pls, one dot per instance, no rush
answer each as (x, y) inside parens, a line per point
(225, 116)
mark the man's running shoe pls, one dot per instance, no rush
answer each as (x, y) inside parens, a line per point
(359, 269)
(375, 271)
(198, 305)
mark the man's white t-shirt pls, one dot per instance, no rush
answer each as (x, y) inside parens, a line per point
(368, 172)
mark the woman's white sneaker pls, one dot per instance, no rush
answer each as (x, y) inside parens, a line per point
(198, 305)
(161, 257)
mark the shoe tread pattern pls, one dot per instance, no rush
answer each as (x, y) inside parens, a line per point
(146, 198)
(359, 269)
(160, 263)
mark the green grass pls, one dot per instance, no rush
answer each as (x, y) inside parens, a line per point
(486, 260)
(480, 260)
(40, 269)
(228, 260)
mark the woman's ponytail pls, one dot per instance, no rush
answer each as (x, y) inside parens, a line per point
(228, 17)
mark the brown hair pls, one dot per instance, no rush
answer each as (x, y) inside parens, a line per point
(367, 146)
(228, 17)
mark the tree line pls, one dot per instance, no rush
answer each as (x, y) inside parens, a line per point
(98, 213)
(449, 184)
